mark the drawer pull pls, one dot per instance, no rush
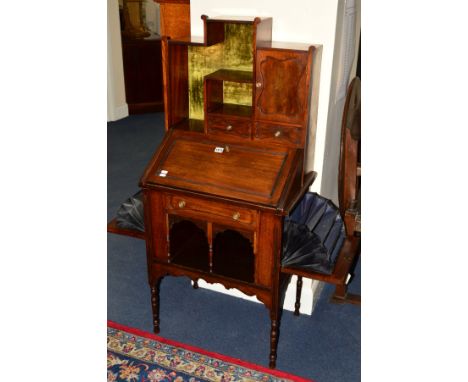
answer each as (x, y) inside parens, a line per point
(236, 215)
(182, 204)
(277, 134)
(258, 84)
(229, 127)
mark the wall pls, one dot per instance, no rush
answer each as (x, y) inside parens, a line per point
(117, 107)
(338, 86)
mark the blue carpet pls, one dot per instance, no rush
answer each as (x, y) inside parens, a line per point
(325, 346)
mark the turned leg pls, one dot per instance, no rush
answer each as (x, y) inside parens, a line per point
(273, 342)
(297, 305)
(155, 304)
(274, 335)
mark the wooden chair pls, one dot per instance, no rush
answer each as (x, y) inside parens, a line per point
(348, 214)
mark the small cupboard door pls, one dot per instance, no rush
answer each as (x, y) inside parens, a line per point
(282, 86)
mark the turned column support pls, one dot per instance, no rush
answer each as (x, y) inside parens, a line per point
(297, 304)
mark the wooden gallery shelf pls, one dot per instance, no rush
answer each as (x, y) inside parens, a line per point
(113, 227)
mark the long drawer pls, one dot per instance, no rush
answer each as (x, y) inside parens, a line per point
(211, 211)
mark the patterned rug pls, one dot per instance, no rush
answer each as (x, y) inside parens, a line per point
(137, 356)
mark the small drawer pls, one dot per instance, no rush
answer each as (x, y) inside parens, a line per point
(279, 133)
(211, 211)
(230, 126)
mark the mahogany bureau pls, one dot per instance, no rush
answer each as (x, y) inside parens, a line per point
(231, 164)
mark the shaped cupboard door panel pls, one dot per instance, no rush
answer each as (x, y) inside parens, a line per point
(282, 86)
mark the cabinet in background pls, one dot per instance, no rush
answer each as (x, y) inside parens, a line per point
(143, 74)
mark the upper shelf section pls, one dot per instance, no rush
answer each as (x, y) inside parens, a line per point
(239, 19)
(234, 83)
(278, 45)
(214, 30)
(224, 54)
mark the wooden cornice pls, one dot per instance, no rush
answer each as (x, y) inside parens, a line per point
(172, 1)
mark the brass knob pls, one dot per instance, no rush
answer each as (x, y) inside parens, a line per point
(258, 84)
(182, 204)
(236, 215)
(278, 133)
(229, 127)
(226, 148)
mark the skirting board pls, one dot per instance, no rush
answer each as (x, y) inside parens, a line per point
(117, 113)
(311, 290)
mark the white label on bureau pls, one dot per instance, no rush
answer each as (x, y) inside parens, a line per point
(219, 150)
(163, 173)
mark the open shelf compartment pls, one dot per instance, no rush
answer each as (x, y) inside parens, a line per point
(225, 92)
(211, 248)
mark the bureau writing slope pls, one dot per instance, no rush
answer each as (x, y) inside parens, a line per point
(231, 164)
